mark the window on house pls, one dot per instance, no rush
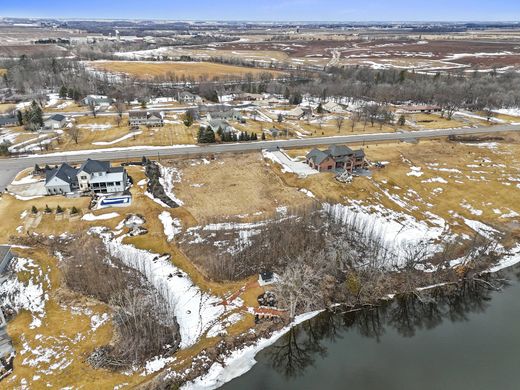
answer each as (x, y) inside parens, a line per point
(83, 178)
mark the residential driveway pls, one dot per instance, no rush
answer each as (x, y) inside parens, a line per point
(28, 190)
(290, 165)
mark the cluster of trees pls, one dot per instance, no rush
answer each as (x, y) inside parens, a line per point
(207, 136)
(143, 318)
(323, 258)
(32, 117)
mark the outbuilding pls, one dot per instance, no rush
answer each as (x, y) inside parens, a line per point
(57, 121)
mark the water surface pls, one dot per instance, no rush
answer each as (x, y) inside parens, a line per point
(468, 340)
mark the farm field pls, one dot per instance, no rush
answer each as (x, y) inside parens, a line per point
(195, 70)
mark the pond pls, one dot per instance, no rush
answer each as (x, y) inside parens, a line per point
(461, 339)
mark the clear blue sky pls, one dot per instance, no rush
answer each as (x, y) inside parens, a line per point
(271, 10)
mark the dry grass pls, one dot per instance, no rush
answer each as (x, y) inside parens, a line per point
(475, 176)
(231, 186)
(170, 134)
(68, 335)
(194, 70)
(3, 71)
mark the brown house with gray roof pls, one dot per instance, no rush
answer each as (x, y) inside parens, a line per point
(336, 157)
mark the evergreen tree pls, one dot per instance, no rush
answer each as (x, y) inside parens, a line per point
(319, 110)
(280, 118)
(401, 121)
(74, 210)
(34, 210)
(263, 136)
(63, 92)
(210, 136)
(189, 118)
(19, 115)
(200, 135)
(59, 210)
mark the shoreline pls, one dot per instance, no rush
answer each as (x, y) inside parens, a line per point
(240, 361)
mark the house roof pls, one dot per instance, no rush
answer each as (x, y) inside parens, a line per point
(65, 172)
(8, 119)
(137, 114)
(339, 151)
(145, 114)
(91, 166)
(57, 117)
(317, 156)
(4, 251)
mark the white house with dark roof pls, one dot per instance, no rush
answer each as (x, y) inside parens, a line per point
(56, 121)
(146, 118)
(94, 176)
(101, 178)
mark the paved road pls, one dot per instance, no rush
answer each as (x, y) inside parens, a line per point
(9, 167)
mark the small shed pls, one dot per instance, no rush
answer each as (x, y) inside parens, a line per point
(266, 278)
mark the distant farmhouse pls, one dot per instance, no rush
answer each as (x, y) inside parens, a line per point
(188, 97)
(6, 121)
(333, 108)
(97, 100)
(93, 176)
(418, 109)
(336, 157)
(146, 118)
(226, 115)
(219, 125)
(56, 121)
(298, 113)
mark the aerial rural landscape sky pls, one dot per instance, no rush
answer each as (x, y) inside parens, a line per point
(290, 10)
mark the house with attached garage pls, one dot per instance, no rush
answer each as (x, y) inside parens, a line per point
(93, 176)
(336, 157)
(188, 97)
(146, 118)
(97, 101)
(333, 108)
(56, 121)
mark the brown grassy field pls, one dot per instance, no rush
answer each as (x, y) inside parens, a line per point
(233, 185)
(195, 70)
(3, 71)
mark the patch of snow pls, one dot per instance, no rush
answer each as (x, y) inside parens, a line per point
(171, 226)
(102, 217)
(120, 139)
